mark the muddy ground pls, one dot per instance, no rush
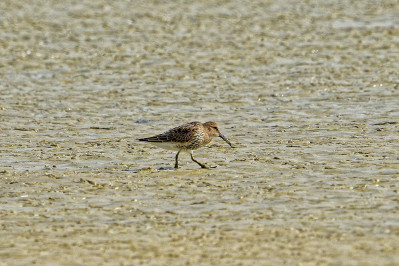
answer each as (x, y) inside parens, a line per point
(306, 90)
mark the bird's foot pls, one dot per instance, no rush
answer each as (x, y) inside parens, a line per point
(208, 167)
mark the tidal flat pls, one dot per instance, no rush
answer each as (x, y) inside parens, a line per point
(307, 91)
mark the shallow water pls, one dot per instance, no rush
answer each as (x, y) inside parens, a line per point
(306, 91)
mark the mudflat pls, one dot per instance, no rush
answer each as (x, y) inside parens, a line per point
(307, 91)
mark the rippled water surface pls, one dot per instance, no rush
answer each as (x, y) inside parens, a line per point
(307, 91)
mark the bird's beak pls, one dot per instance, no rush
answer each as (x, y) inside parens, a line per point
(225, 139)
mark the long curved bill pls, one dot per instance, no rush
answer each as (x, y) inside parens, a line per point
(225, 139)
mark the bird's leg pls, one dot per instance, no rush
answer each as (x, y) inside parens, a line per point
(200, 164)
(176, 162)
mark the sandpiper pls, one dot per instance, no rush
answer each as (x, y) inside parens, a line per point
(187, 137)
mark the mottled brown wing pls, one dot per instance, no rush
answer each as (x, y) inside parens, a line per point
(183, 133)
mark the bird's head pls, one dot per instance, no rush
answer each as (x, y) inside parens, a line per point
(214, 131)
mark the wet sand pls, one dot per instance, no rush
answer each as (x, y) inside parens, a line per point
(306, 90)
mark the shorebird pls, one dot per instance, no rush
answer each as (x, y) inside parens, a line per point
(187, 137)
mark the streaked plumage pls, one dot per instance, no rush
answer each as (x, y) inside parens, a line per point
(187, 137)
